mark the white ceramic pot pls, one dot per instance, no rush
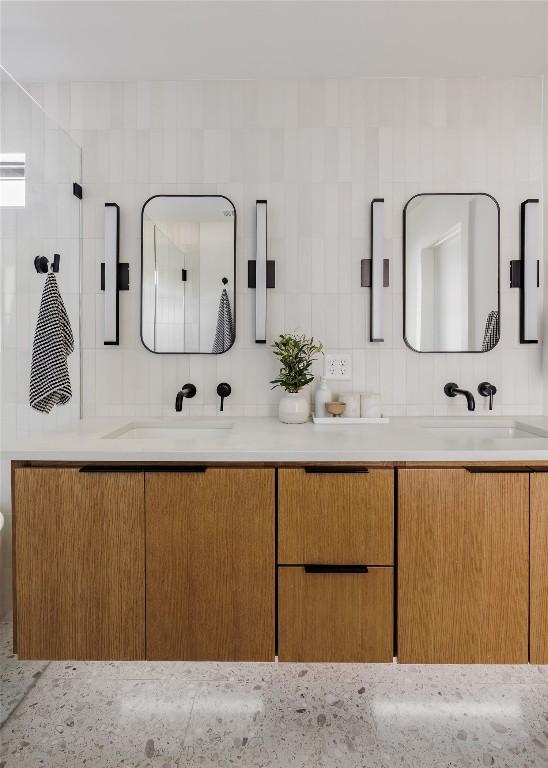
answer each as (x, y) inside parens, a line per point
(293, 408)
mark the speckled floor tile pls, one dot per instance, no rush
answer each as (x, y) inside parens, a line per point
(99, 722)
(467, 725)
(473, 673)
(196, 672)
(187, 715)
(16, 677)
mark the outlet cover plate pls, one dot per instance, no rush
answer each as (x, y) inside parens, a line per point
(338, 366)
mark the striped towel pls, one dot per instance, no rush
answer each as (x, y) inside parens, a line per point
(224, 334)
(53, 343)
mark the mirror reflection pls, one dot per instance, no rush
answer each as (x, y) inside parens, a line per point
(451, 273)
(188, 274)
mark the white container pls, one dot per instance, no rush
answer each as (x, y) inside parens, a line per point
(293, 408)
(370, 405)
(323, 396)
(352, 406)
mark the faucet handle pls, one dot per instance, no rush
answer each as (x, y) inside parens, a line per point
(223, 390)
(487, 390)
(188, 390)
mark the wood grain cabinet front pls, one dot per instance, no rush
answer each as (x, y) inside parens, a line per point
(80, 564)
(335, 556)
(336, 515)
(210, 565)
(335, 615)
(463, 566)
(539, 568)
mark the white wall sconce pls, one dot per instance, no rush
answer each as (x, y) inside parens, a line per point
(525, 271)
(114, 276)
(261, 272)
(375, 272)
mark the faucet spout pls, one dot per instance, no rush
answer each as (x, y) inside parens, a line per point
(189, 390)
(452, 390)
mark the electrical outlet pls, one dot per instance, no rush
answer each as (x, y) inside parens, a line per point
(338, 366)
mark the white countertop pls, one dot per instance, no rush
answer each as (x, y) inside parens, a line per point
(267, 440)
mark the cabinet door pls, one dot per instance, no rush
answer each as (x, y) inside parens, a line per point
(80, 564)
(335, 616)
(210, 565)
(463, 581)
(342, 516)
(539, 569)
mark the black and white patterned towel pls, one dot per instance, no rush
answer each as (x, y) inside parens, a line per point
(53, 343)
(492, 331)
(224, 335)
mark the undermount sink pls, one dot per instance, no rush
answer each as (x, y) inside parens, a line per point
(483, 429)
(149, 430)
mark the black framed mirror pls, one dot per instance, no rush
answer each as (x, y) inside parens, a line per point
(188, 274)
(451, 272)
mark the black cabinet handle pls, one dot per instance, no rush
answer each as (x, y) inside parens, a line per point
(313, 568)
(100, 468)
(97, 468)
(335, 470)
(479, 470)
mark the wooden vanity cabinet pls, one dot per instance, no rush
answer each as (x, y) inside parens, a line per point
(330, 514)
(539, 568)
(210, 564)
(335, 616)
(335, 558)
(80, 565)
(463, 566)
(179, 563)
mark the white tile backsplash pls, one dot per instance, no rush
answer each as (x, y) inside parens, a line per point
(319, 151)
(48, 224)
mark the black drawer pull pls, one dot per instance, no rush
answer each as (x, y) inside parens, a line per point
(96, 468)
(334, 470)
(174, 468)
(312, 568)
(479, 470)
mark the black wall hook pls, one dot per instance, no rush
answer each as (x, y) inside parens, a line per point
(224, 280)
(41, 264)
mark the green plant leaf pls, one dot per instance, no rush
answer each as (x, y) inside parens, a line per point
(296, 355)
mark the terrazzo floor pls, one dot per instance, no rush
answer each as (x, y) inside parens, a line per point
(257, 715)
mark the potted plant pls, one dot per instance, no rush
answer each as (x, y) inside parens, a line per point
(296, 355)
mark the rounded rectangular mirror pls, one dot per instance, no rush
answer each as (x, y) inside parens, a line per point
(188, 274)
(451, 272)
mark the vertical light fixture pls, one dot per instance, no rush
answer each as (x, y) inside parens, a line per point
(377, 269)
(260, 272)
(530, 260)
(110, 275)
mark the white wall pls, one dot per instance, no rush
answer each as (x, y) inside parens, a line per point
(48, 223)
(319, 151)
(545, 231)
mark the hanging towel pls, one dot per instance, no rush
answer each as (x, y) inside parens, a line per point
(491, 333)
(53, 343)
(224, 335)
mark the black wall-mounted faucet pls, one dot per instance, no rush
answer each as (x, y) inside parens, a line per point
(487, 390)
(189, 390)
(452, 390)
(223, 390)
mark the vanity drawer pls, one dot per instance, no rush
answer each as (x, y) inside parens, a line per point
(335, 616)
(342, 516)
